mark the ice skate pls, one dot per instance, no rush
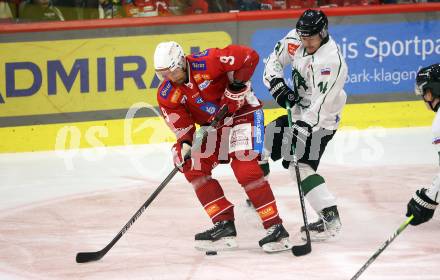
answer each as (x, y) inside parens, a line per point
(276, 239)
(221, 237)
(326, 227)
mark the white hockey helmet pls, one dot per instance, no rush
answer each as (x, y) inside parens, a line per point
(169, 55)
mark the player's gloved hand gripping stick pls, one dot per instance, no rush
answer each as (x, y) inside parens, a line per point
(304, 249)
(200, 136)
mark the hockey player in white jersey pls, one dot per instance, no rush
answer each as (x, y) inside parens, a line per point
(316, 99)
(422, 205)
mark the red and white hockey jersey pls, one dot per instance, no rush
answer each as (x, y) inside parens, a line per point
(209, 73)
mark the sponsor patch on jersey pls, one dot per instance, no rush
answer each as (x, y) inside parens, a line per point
(325, 71)
(198, 78)
(240, 138)
(166, 90)
(291, 48)
(198, 65)
(436, 141)
(199, 100)
(201, 54)
(176, 95)
(209, 108)
(258, 131)
(204, 85)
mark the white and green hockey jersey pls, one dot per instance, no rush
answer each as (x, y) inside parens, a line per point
(433, 191)
(319, 79)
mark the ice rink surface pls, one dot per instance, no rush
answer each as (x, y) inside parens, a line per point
(55, 204)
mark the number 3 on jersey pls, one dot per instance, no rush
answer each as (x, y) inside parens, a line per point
(227, 59)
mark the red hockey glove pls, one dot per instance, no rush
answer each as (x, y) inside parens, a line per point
(179, 151)
(235, 95)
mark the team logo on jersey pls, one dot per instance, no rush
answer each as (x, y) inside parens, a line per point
(199, 100)
(175, 96)
(200, 77)
(166, 90)
(204, 85)
(209, 108)
(198, 65)
(201, 54)
(291, 48)
(325, 71)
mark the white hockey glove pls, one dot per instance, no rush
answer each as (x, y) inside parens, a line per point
(179, 151)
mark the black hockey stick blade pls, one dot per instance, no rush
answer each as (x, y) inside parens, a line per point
(301, 250)
(85, 257)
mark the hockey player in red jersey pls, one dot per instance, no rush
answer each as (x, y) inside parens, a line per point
(194, 87)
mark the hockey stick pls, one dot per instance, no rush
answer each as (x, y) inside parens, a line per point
(299, 250)
(202, 133)
(382, 247)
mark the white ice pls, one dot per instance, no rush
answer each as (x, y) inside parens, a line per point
(55, 204)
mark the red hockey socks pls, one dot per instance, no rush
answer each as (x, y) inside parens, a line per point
(250, 176)
(263, 200)
(211, 196)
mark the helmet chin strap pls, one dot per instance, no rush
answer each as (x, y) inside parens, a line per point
(432, 107)
(187, 71)
(324, 40)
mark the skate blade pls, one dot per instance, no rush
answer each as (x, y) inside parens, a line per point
(273, 247)
(223, 244)
(320, 237)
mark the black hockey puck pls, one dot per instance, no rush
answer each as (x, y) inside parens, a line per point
(211, 253)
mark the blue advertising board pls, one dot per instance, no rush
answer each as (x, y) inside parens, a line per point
(382, 58)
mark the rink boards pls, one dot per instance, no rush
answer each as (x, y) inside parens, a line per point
(154, 130)
(91, 83)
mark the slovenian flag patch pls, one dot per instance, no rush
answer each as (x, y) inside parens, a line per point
(325, 71)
